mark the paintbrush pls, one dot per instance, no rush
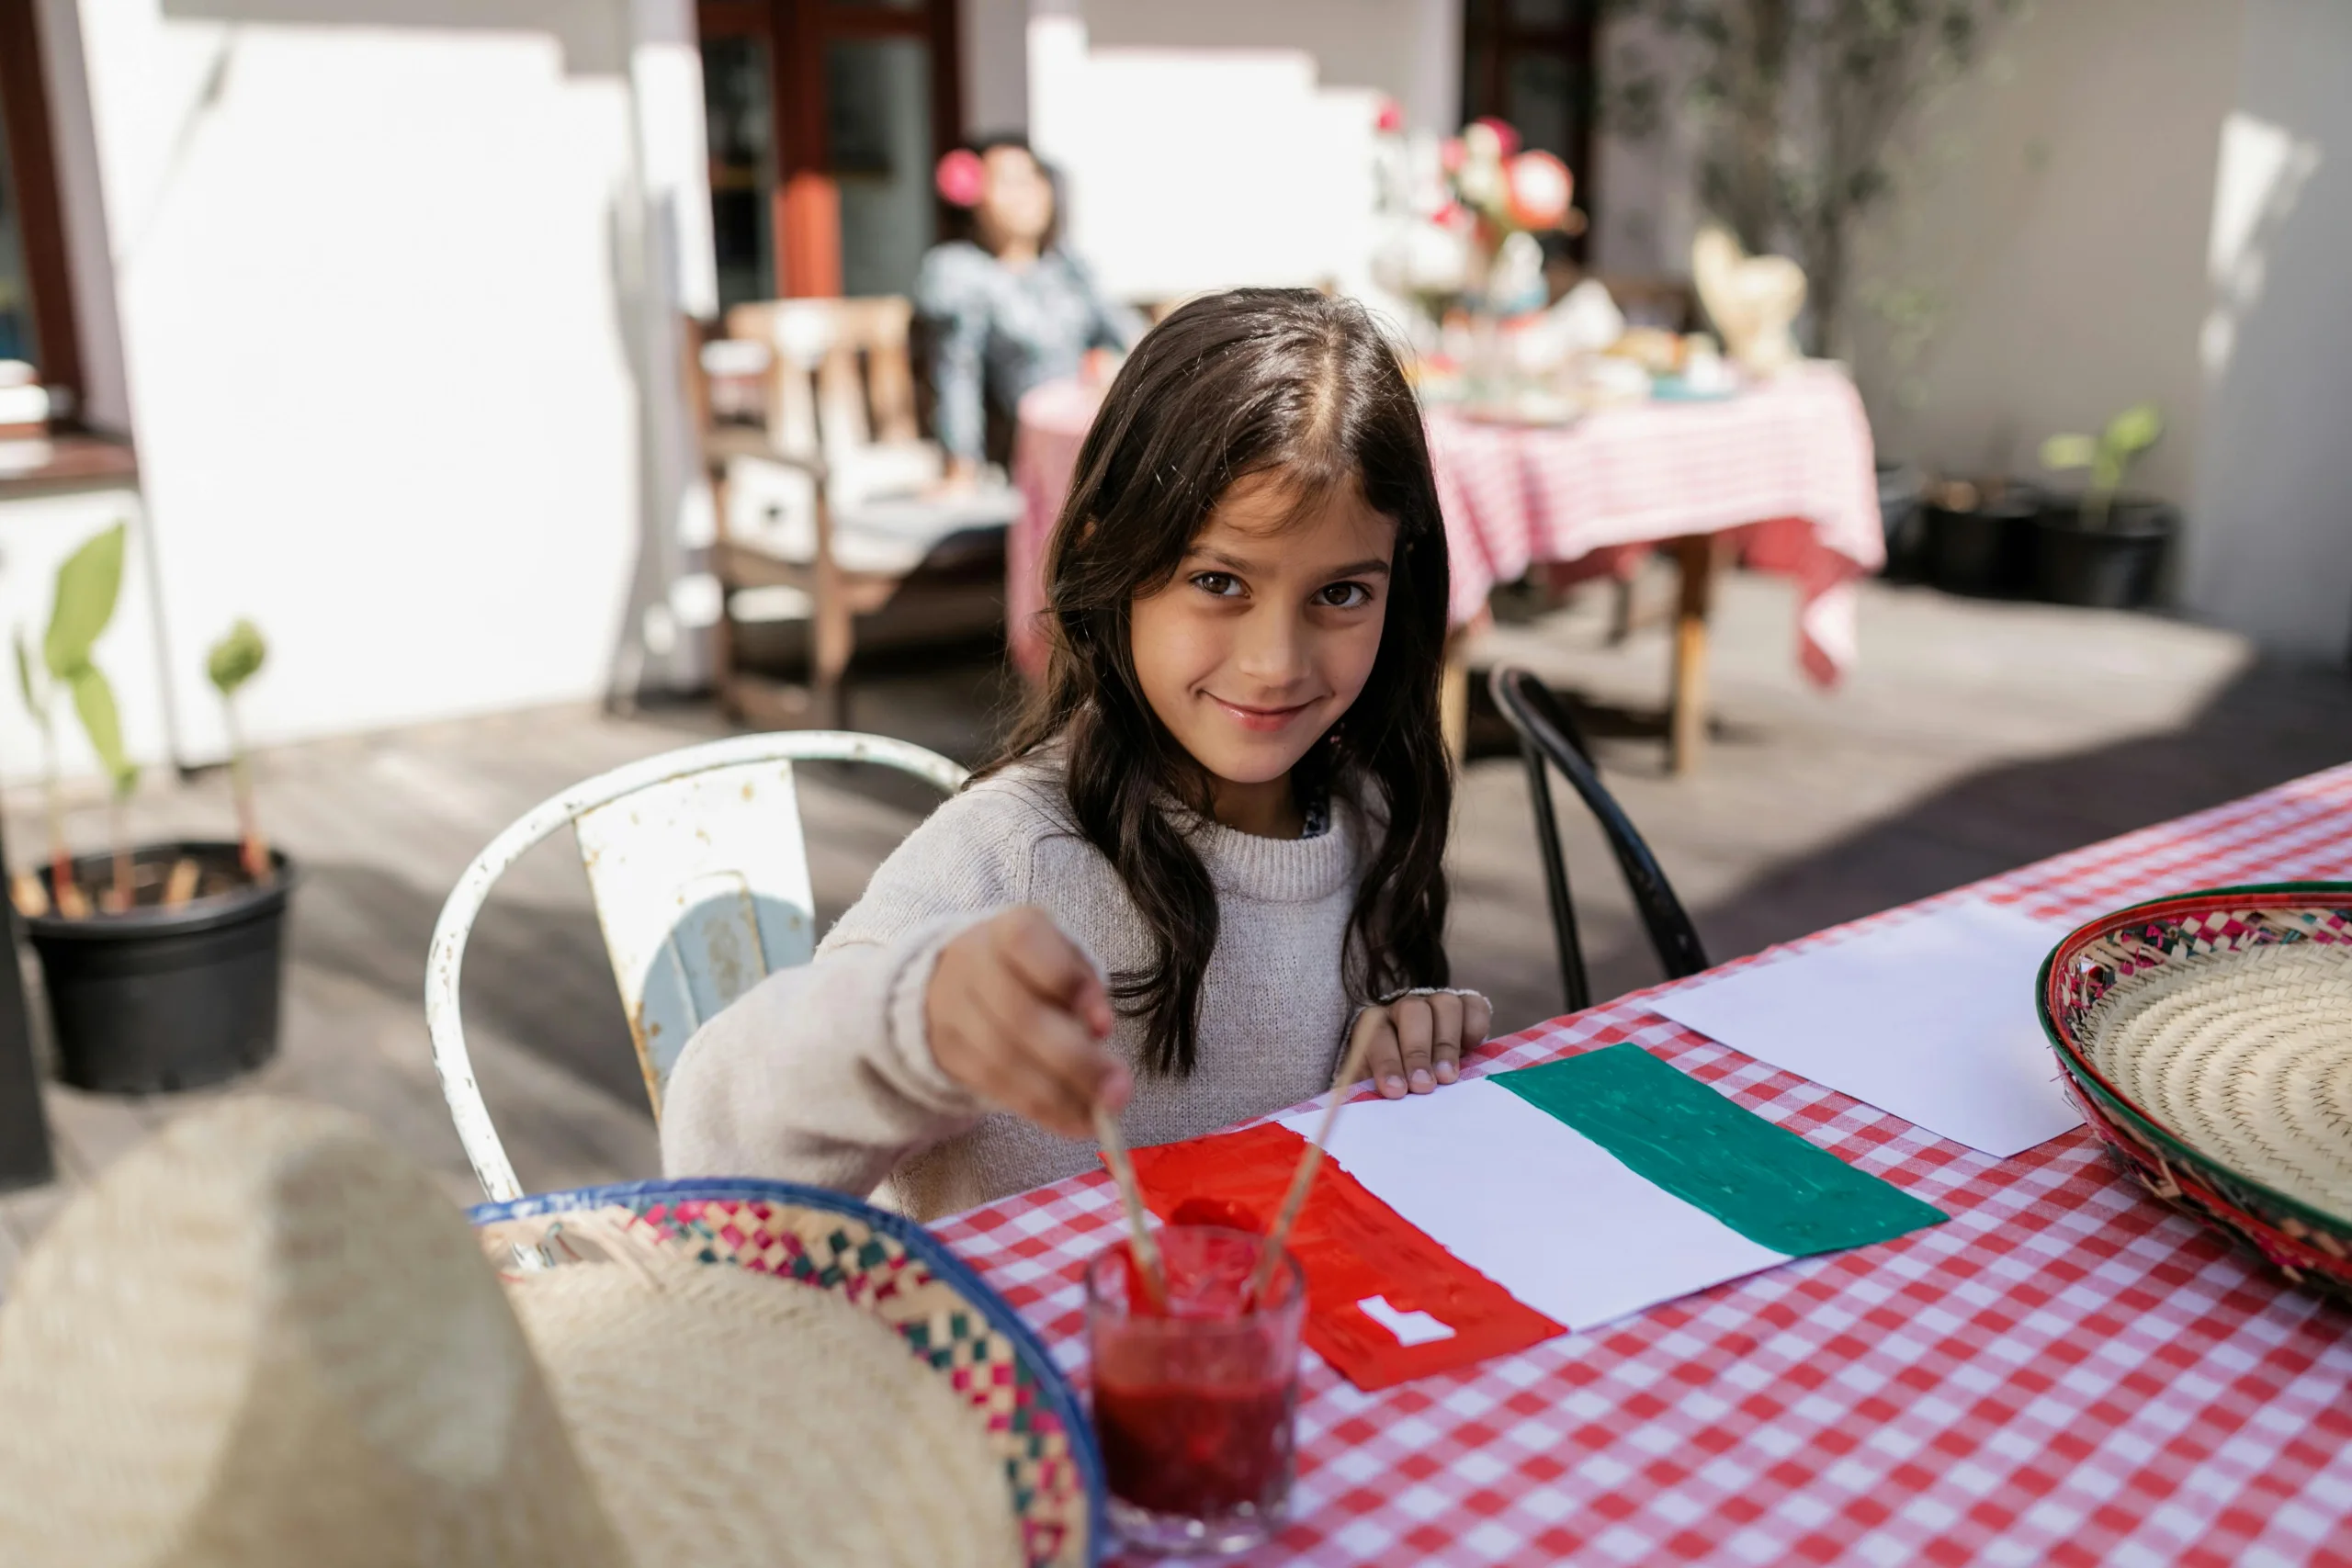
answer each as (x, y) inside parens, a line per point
(1123, 1171)
(1303, 1178)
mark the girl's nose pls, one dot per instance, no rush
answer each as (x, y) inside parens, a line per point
(1271, 648)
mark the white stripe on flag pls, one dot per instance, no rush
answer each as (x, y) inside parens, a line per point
(1533, 1204)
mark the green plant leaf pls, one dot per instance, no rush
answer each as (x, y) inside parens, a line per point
(87, 585)
(236, 658)
(93, 701)
(2069, 452)
(33, 704)
(2134, 430)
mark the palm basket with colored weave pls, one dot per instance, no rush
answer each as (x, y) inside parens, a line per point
(946, 1319)
(2207, 1037)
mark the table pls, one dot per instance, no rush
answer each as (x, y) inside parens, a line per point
(1780, 475)
(2067, 1371)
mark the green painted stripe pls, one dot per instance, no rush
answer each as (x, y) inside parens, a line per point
(1763, 1181)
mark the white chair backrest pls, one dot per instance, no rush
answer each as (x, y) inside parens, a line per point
(699, 874)
(701, 885)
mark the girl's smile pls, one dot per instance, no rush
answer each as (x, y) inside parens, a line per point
(1265, 720)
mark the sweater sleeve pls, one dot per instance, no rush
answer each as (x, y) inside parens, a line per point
(823, 1073)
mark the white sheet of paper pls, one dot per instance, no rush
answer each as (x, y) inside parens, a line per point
(1930, 1018)
(1533, 1204)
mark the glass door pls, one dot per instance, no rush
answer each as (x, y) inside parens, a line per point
(825, 119)
(736, 75)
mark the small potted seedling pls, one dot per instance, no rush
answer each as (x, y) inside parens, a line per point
(2103, 549)
(163, 962)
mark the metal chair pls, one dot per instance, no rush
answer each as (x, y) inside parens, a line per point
(1548, 739)
(699, 874)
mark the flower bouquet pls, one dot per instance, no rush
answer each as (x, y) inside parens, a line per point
(1461, 220)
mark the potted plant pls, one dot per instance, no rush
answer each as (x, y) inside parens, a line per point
(1978, 536)
(2102, 548)
(163, 962)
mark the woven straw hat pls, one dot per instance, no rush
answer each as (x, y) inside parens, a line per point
(266, 1339)
(2207, 1038)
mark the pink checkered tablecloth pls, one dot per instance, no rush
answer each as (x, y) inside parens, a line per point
(2067, 1373)
(1786, 464)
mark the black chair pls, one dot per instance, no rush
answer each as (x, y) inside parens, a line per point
(1548, 739)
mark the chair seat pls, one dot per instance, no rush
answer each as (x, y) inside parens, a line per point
(771, 509)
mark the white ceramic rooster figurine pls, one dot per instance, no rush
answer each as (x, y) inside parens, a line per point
(1753, 300)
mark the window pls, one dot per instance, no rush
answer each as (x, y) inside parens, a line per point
(36, 314)
(1530, 62)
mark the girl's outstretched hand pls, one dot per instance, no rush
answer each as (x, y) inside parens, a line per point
(1418, 1042)
(1017, 1015)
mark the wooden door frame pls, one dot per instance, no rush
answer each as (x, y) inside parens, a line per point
(805, 214)
(32, 159)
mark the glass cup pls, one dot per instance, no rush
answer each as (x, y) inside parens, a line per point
(1194, 1405)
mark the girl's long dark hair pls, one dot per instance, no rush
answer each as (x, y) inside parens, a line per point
(1253, 381)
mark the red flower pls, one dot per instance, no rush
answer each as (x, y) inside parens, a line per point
(961, 177)
(1537, 190)
(1391, 118)
(1503, 132)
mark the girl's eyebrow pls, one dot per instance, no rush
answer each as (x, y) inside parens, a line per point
(1371, 566)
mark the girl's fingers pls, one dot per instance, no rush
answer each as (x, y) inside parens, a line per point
(1026, 1089)
(1446, 1042)
(1415, 1034)
(1478, 1018)
(1047, 1038)
(1383, 1059)
(1052, 965)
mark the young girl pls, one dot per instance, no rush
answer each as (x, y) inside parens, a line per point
(1213, 847)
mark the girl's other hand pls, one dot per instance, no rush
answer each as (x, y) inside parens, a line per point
(1017, 1015)
(1418, 1043)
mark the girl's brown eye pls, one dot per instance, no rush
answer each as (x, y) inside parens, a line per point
(1346, 595)
(1220, 585)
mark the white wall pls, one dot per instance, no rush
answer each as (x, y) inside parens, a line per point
(1408, 50)
(996, 64)
(2273, 549)
(1224, 143)
(394, 280)
(2048, 237)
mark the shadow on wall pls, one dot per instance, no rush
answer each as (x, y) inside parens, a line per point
(2275, 723)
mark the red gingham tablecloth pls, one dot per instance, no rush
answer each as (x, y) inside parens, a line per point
(1787, 464)
(2067, 1373)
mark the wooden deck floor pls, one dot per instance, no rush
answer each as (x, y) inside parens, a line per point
(1973, 736)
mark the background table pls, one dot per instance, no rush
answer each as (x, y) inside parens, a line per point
(1781, 474)
(2067, 1371)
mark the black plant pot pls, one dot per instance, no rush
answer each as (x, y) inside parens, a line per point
(156, 999)
(2111, 568)
(1900, 487)
(1987, 551)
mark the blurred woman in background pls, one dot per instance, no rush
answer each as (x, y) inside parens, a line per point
(1007, 308)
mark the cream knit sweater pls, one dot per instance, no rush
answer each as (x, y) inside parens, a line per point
(822, 1074)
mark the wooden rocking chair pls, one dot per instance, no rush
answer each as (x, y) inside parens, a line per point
(825, 491)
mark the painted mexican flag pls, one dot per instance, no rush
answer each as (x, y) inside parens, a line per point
(1578, 1190)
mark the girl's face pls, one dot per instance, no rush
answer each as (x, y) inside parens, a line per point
(1268, 630)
